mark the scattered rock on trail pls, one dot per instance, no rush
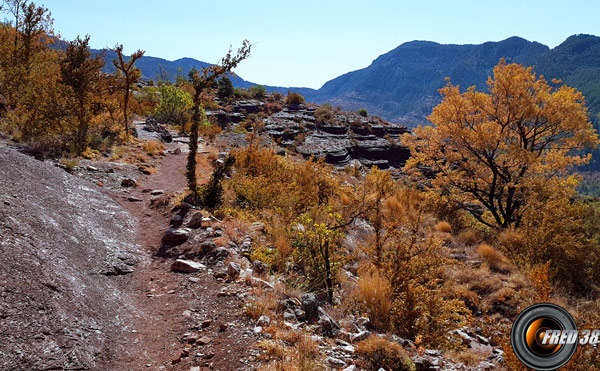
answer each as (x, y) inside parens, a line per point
(220, 253)
(176, 220)
(175, 236)
(128, 182)
(195, 220)
(310, 307)
(207, 246)
(153, 126)
(233, 270)
(363, 335)
(335, 362)
(328, 326)
(263, 321)
(186, 266)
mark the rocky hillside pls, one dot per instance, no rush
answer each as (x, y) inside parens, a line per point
(63, 242)
(345, 139)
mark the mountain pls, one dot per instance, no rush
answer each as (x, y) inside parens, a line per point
(151, 69)
(401, 85)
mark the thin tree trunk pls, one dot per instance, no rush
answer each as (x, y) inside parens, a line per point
(83, 129)
(125, 104)
(191, 163)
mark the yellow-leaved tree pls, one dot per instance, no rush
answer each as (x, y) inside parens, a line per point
(494, 153)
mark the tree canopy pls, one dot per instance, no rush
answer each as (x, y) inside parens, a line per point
(492, 152)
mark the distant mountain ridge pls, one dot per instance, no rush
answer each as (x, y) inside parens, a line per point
(402, 85)
(151, 66)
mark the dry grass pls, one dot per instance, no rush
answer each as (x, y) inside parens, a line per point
(271, 350)
(495, 259)
(141, 158)
(209, 132)
(282, 245)
(307, 350)
(69, 163)
(153, 148)
(373, 295)
(443, 227)
(303, 356)
(262, 303)
(464, 292)
(212, 156)
(468, 237)
(380, 353)
(467, 357)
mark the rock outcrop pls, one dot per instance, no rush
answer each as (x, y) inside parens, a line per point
(63, 242)
(344, 140)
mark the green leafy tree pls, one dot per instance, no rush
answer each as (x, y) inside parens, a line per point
(225, 89)
(363, 112)
(174, 105)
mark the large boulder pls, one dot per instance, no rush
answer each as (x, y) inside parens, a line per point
(310, 306)
(62, 241)
(328, 326)
(187, 266)
(175, 236)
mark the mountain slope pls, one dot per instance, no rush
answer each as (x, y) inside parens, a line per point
(402, 84)
(151, 69)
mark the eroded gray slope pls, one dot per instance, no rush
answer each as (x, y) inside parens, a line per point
(60, 239)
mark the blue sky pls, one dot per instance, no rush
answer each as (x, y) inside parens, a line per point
(306, 43)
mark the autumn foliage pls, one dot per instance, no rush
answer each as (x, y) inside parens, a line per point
(492, 152)
(56, 100)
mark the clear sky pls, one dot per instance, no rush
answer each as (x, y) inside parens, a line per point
(308, 42)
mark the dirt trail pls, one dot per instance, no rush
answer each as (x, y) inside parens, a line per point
(173, 304)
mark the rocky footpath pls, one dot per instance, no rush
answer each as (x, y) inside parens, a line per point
(214, 255)
(64, 247)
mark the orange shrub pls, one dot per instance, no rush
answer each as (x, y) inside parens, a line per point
(380, 353)
(374, 296)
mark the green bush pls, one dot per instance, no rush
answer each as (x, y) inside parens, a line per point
(258, 91)
(225, 88)
(174, 106)
(363, 112)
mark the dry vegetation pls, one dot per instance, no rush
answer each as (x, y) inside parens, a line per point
(433, 255)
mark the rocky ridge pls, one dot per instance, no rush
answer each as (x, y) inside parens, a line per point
(346, 139)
